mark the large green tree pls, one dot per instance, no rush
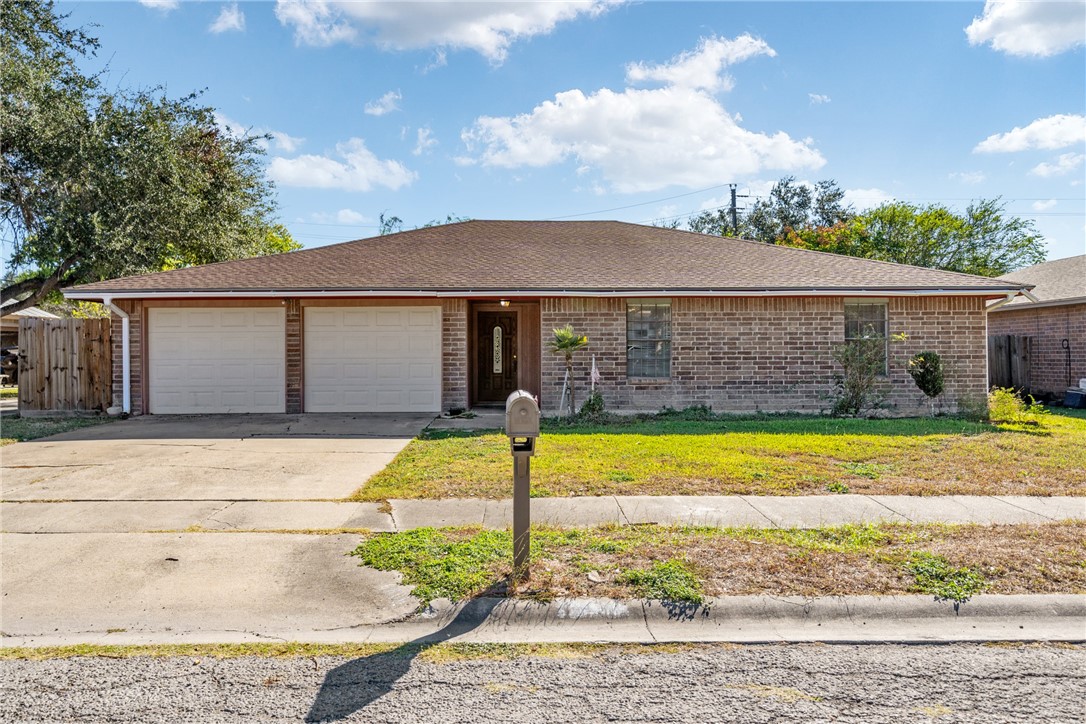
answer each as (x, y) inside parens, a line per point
(984, 239)
(96, 183)
(790, 205)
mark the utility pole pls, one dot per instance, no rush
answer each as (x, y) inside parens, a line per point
(735, 211)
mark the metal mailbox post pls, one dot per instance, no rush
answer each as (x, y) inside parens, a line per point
(522, 427)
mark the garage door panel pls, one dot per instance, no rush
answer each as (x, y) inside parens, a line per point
(216, 360)
(372, 359)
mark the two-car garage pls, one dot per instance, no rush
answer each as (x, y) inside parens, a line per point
(233, 359)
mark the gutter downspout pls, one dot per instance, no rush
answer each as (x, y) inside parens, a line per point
(126, 356)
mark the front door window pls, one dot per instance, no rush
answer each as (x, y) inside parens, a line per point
(496, 352)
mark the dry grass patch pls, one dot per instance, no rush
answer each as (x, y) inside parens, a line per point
(18, 429)
(761, 456)
(685, 564)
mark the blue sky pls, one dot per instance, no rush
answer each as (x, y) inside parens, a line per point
(626, 110)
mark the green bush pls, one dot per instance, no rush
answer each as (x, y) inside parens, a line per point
(1006, 406)
(926, 369)
(592, 409)
(856, 387)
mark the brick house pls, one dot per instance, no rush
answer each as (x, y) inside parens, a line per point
(457, 316)
(1055, 323)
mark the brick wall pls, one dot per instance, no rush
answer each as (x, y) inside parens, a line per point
(764, 354)
(135, 312)
(454, 353)
(1048, 326)
(295, 360)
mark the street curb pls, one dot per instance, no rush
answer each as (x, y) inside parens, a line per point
(737, 619)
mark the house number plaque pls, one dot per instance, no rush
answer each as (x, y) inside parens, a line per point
(497, 350)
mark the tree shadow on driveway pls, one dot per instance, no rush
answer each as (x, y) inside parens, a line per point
(356, 684)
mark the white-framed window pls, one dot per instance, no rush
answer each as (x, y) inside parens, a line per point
(648, 338)
(868, 319)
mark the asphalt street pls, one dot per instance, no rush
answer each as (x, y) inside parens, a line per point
(790, 682)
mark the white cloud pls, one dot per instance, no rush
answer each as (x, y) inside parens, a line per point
(643, 140)
(967, 177)
(488, 28)
(818, 99)
(1045, 133)
(355, 168)
(281, 140)
(230, 18)
(1044, 205)
(703, 67)
(424, 141)
(1030, 28)
(343, 216)
(163, 5)
(441, 59)
(1065, 164)
(285, 142)
(385, 104)
(639, 140)
(863, 199)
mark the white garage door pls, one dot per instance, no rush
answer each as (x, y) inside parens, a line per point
(203, 360)
(373, 359)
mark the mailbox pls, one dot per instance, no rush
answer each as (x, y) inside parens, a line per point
(522, 422)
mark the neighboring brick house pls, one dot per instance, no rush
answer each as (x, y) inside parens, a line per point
(1055, 323)
(457, 316)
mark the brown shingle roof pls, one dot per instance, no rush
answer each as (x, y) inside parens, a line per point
(1060, 280)
(541, 256)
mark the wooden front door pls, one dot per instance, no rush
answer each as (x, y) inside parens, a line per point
(495, 355)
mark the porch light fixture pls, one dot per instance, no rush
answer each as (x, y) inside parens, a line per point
(504, 302)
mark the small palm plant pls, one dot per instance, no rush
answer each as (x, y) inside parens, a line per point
(566, 342)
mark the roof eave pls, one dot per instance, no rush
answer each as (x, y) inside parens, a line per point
(870, 291)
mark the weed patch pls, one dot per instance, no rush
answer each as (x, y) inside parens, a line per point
(665, 581)
(936, 576)
(688, 564)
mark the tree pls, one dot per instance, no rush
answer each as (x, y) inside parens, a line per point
(565, 342)
(793, 206)
(981, 241)
(97, 184)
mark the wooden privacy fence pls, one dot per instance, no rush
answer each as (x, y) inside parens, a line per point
(1008, 361)
(65, 366)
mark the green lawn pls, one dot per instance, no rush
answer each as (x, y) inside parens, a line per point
(9, 392)
(17, 429)
(766, 456)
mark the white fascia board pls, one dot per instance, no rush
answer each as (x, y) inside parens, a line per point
(512, 293)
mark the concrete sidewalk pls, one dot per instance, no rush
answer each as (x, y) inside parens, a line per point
(738, 619)
(722, 511)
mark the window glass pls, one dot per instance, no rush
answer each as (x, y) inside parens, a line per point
(867, 320)
(648, 338)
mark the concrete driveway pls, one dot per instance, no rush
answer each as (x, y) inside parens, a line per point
(213, 457)
(81, 569)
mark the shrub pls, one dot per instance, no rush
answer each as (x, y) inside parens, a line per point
(593, 407)
(926, 369)
(1006, 406)
(856, 387)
